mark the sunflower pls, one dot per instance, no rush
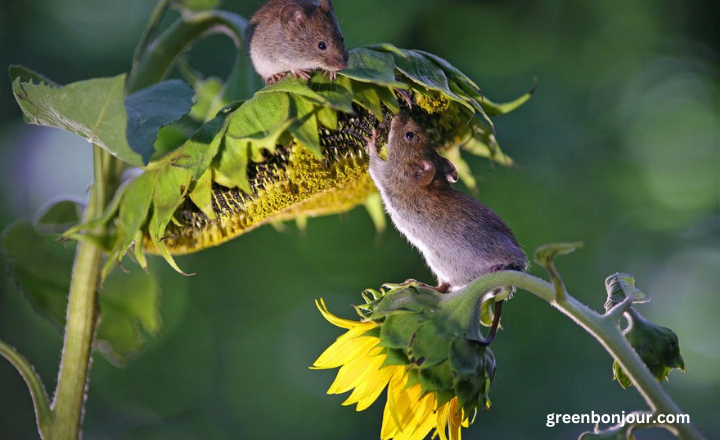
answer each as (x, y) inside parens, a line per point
(435, 379)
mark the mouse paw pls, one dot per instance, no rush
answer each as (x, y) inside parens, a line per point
(370, 141)
(301, 74)
(332, 74)
(275, 78)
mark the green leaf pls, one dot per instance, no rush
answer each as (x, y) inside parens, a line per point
(152, 108)
(305, 127)
(495, 109)
(130, 310)
(368, 97)
(232, 163)
(545, 254)
(205, 93)
(261, 120)
(201, 194)
(425, 72)
(58, 216)
(171, 187)
(133, 211)
(294, 86)
(371, 66)
(337, 93)
(620, 286)
(27, 75)
(376, 211)
(92, 109)
(196, 154)
(42, 267)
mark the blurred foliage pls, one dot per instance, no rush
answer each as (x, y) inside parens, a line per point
(621, 139)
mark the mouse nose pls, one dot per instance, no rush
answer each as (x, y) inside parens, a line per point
(342, 62)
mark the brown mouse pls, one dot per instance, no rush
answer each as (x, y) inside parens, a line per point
(460, 238)
(295, 36)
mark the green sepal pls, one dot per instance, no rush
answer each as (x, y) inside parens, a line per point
(394, 356)
(657, 346)
(398, 329)
(437, 378)
(424, 351)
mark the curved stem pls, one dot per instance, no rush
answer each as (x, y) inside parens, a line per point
(43, 415)
(160, 56)
(605, 331)
(82, 311)
(149, 33)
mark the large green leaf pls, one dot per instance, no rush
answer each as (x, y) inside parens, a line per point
(42, 268)
(371, 66)
(93, 109)
(152, 108)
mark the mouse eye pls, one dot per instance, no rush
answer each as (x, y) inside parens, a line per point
(322, 45)
(409, 135)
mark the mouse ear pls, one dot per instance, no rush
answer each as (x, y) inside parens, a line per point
(448, 169)
(292, 14)
(325, 4)
(424, 172)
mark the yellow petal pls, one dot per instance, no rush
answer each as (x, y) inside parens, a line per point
(339, 322)
(342, 351)
(349, 373)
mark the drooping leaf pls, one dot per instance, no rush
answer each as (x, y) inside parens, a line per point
(205, 93)
(338, 93)
(426, 73)
(133, 211)
(42, 267)
(58, 216)
(371, 66)
(171, 187)
(93, 109)
(305, 128)
(201, 194)
(368, 97)
(198, 152)
(261, 120)
(152, 108)
(130, 313)
(376, 211)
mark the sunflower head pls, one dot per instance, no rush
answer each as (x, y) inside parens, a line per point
(422, 346)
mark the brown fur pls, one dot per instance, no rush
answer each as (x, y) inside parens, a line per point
(460, 238)
(284, 35)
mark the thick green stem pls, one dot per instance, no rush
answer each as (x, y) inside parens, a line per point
(160, 56)
(82, 311)
(605, 331)
(43, 415)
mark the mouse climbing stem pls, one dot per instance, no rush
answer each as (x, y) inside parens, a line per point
(607, 333)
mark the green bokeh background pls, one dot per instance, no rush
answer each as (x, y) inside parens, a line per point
(618, 147)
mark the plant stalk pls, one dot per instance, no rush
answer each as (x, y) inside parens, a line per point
(82, 314)
(606, 332)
